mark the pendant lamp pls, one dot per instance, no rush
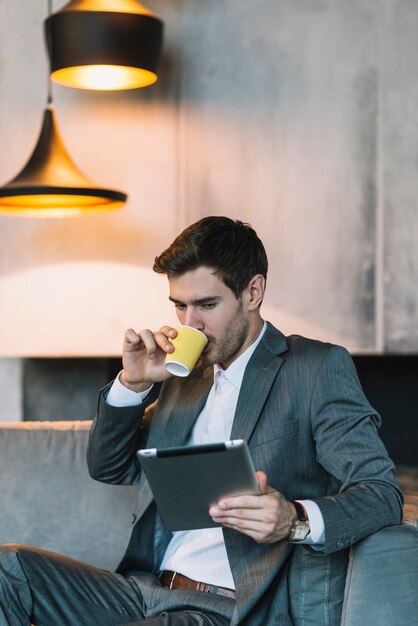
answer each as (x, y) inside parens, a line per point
(104, 44)
(51, 185)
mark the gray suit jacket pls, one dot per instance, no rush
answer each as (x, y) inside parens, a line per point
(308, 426)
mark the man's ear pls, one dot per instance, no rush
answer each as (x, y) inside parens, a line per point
(255, 292)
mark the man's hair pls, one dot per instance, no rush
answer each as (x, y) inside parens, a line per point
(232, 248)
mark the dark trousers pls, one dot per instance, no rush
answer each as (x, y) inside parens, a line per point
(48, 589)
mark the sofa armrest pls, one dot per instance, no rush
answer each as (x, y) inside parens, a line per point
(382, 579)
(380, 583)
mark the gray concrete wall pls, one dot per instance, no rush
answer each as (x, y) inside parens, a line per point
(297, 116)
(399, 175)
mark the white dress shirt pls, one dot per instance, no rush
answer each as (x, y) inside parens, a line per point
(201, 554)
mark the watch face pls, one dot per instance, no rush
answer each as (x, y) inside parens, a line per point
(300, 530)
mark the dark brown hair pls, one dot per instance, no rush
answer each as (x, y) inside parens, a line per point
(232, 248)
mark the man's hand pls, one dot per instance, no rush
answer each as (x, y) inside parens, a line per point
(267, 517)
(143, 357)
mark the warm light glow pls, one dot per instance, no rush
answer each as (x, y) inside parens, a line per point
(115, 6)
(61, 303)
(52, 285)
(56, 205)
(104, 77)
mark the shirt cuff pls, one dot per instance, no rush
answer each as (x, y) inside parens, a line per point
(120, 396)
(316, 523)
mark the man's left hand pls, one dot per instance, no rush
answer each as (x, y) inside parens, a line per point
(267, 517)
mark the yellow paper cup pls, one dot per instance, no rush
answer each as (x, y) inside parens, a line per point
(188, 346)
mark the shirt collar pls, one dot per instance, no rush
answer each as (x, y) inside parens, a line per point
(235, 372)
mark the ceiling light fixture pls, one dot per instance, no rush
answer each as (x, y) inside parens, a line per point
(51, 185)
(104, 44)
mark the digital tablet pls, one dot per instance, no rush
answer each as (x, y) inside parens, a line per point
(186, 481)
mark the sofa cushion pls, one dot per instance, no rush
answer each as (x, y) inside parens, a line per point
(49, 500)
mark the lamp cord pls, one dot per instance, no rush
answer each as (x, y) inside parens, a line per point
(49, 86)
(49, 92)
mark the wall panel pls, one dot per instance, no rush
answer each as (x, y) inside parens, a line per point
(400, 174)
(297, 116)
(279, 128)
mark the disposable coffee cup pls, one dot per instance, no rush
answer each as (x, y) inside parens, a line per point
(188, 346)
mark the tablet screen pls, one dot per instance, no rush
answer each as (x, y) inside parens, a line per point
(186, 481)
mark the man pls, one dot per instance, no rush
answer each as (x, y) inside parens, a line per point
(324, 476)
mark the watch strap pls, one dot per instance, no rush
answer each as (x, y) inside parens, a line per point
(300, 511)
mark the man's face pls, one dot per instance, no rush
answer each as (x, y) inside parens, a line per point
(203, 301)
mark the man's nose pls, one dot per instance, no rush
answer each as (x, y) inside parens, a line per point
(193, 319)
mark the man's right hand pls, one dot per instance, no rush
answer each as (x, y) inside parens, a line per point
(143, 357)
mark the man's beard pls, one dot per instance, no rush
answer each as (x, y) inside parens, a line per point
(226, 346)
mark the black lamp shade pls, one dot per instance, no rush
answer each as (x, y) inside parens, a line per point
(51, 185)
(79, 39)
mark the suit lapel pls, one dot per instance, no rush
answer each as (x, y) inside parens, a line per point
(184, 415)
(259, 377)
(145, 496)
(180, 409)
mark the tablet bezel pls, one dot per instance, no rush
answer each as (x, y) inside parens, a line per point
(187, 480)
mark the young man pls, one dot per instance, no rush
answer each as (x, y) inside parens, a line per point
(324, 476)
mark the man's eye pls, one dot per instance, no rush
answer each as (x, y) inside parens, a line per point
(181, 307)
(209, 305)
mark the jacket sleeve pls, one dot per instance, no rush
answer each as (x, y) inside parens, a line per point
(116, 434)
(349, 449)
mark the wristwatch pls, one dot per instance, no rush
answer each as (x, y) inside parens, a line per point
(301, 528)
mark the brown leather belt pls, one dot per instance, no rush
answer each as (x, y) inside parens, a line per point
(174, 580)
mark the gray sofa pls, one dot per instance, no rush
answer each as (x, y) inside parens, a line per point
(49, 500)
